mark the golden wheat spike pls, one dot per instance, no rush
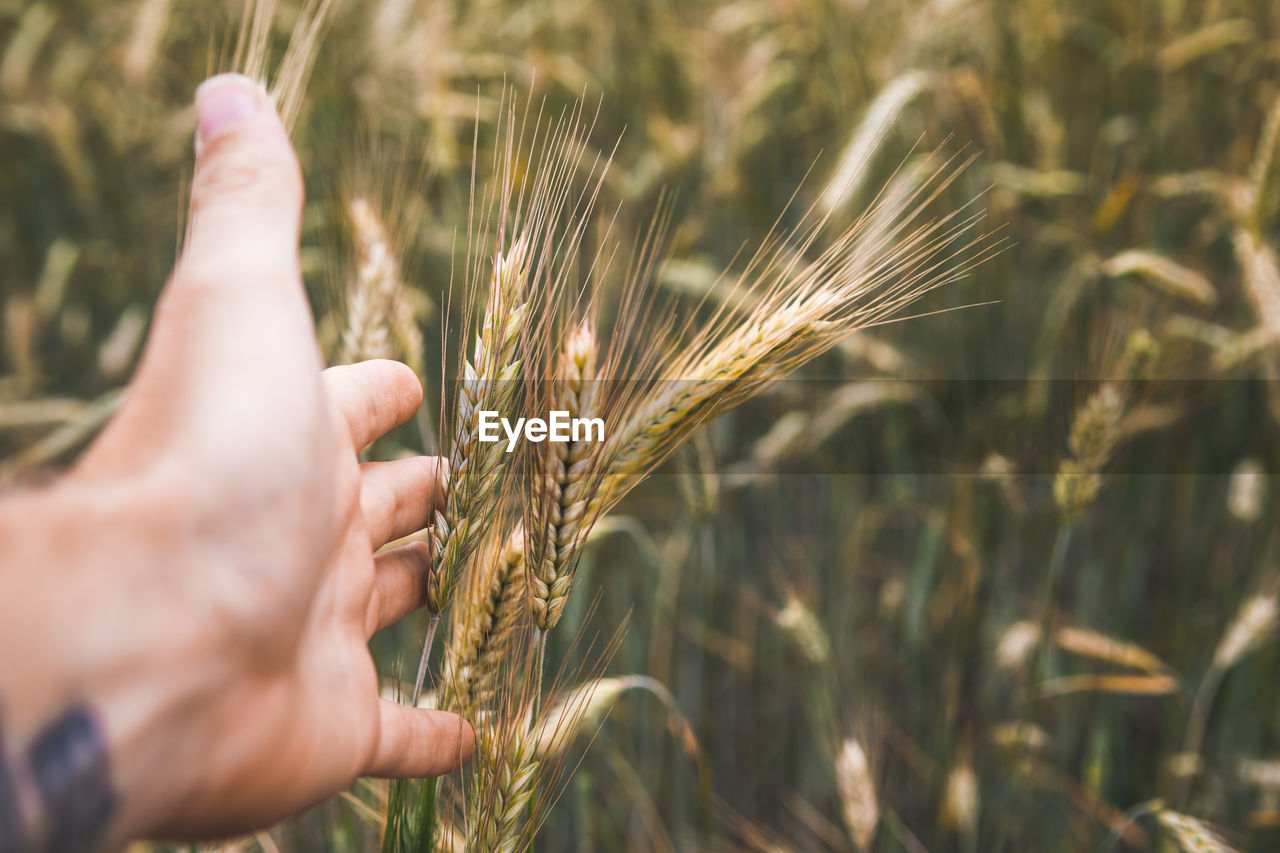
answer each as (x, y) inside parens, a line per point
(867, 276)
(1256, 620)
(558, 515)
(485, 626)
(1094, 435)
(585, 708)
(470, 485)
(858, 803)
(506, 766)
(1192, 834)
(375, 290)
(1162, 273)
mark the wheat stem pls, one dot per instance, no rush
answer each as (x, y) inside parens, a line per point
(427, 645)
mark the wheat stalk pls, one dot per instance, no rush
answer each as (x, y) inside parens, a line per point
(1254, 205)
(961, 798)
(880, 118)
(788, 310)
(1261, 277)
(1092, 644)
(1163, 273)
(252, 51)
(1264, 175)
(144, 43)
(585, 708)
(489, 382)
(868, 274)
(1254, 623)
(490, 377)
(804, 629)
(1247, 490)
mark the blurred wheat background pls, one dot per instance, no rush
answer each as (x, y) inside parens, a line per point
(998, 578)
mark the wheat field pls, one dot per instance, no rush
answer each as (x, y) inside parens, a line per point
(937, 345)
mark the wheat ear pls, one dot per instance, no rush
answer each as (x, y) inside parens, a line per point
(857, 789)
(1192, 834)
(1261, 277)
(1255, 621)
(373, 291)
(961, 799)
(470, 486)
(502, 789)
(252, 51)
(795, 310)
(1094, 435)
(1264, 175)
(798, 309)
(496, 602)
(486, 626)
(560, 508)
(489, 382)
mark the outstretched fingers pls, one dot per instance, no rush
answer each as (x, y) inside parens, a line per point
(373, 397)
(418, 742)
(400, 585)
(400, 497)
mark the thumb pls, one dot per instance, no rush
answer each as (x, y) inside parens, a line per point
(232, 339)
(235, 312)
(246, 194)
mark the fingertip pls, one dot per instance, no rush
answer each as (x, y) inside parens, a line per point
(428, 474)
(463, 739)
(400, 585)
(435, 467)
(407, 384)
(374, 396)
(419, 742)
(247, 181)
(226, 100)
(466, 740)
(393, 379)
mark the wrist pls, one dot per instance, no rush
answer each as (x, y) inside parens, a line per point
(72, 640)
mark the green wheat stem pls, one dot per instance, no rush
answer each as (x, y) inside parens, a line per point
(427, 645)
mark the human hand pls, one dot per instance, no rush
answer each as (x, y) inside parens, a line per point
(209, 581)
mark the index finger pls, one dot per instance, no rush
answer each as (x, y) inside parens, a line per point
(373, 397)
